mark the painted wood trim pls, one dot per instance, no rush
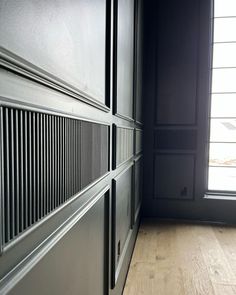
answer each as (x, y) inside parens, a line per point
(14, 276)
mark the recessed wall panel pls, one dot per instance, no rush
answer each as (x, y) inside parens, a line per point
(138, 186)
(177, 62)
(174, 176)
(63, 39)
(95, 143)
(138, 141)
(175, 139)
(123, 145)
(139, 61)
(46, 159)
(122, 196)
(125, 58)
(76, 264)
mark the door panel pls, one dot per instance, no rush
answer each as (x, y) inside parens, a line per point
(178, 55)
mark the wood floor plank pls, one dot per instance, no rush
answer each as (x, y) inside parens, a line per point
(219, 268)
(227, 239)
(195, 273)
(153, 242)
(183, 259)
(221, 289)
(153, 269)
(150, 279)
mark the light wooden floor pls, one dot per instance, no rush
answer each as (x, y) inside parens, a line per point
(177, 258)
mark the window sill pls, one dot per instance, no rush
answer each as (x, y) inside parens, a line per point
(220, 196)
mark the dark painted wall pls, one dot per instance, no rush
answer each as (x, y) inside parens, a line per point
(177, 61)
(70, 144)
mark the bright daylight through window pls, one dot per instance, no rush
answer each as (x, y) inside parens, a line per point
(222, 157)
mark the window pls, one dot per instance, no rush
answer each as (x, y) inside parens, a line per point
(222, 152)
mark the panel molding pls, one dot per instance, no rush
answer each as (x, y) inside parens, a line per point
(175, 139)
(137, 47)
(158, 197)
(21, 66)
(123, 116)
(116, 267)
(28, 87)
(1, 183)
(136, 211)
(115, 160)
(121, 261)
(19, 105)
(138, 141)
(19, 136)
(25, 266)
(116, 110)
(164, 84)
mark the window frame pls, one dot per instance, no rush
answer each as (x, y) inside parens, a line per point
(215, 194)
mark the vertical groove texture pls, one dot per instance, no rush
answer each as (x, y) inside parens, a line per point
(138, 141)
(46, 160)
(124, 144)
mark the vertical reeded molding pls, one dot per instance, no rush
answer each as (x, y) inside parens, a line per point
(2, 216)
(30, 170)
(7, 175)
(41, 165)
(12, 180)
(17, 162)
(22, 184)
